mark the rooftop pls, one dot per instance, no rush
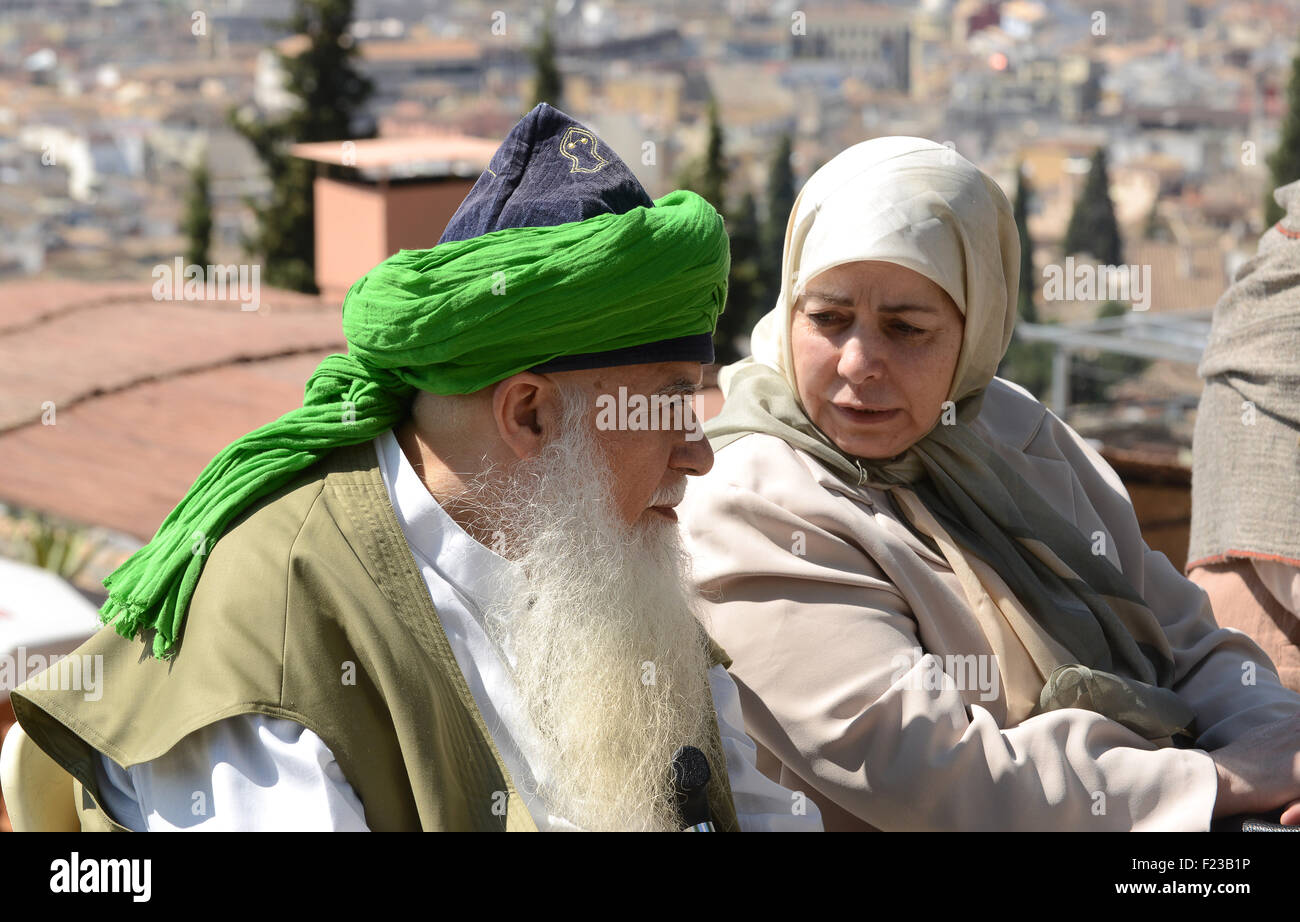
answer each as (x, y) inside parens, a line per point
(405, 157)
(144, 392)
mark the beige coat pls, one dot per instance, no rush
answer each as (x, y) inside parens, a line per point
(840, 707)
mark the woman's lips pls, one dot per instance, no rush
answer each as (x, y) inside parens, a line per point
(867, 417)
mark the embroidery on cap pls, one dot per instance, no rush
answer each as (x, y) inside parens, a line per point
(578, 142)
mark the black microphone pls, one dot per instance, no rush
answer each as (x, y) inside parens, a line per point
(691, 781)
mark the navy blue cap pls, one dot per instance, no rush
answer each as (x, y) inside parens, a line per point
(551, 169)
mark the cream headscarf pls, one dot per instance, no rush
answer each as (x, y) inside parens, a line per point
(1068, 629)
(922, 206)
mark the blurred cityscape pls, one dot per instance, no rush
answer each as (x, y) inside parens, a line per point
(107, 107)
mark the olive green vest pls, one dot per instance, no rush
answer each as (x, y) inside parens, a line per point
(312, 608)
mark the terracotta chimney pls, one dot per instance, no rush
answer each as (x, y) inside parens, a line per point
(385, 195)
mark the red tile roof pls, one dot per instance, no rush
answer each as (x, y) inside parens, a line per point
(145, 392)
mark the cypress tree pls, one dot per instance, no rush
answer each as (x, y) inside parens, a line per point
(744, 231)
(548, 85)
(198, 216)
(1025, 303)
(780, 201)
(332, 94)
(713, 174)
(1093, 228)
(743, 305)
(707, 174)
(1029, 364)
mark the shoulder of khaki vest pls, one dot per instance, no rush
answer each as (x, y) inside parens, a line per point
(242, 590)
(282, 561)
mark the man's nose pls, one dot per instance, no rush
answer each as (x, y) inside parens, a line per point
(693, 455)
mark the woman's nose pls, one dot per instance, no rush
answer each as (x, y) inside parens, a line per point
(860, 359)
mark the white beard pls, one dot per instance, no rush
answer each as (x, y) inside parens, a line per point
(609, 659)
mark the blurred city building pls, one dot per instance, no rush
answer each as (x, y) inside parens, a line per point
(106, 106)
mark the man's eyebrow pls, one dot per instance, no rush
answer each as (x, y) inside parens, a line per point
(680, 386)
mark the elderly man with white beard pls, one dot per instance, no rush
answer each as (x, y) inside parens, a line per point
(603, 672)
(444, 594)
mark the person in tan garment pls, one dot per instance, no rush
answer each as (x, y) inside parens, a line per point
(936, 596)
(1244, 549)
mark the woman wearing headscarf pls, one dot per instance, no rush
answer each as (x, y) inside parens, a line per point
(936, 596)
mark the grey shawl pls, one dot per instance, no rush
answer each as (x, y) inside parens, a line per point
(1246, 458)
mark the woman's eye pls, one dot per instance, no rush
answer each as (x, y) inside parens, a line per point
(824, 318)
(907, 329)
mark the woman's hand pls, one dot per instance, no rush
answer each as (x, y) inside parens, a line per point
(1259, 772)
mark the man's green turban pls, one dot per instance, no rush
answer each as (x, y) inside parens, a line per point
(452, 320)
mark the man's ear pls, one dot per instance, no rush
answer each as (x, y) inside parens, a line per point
(525, 408)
